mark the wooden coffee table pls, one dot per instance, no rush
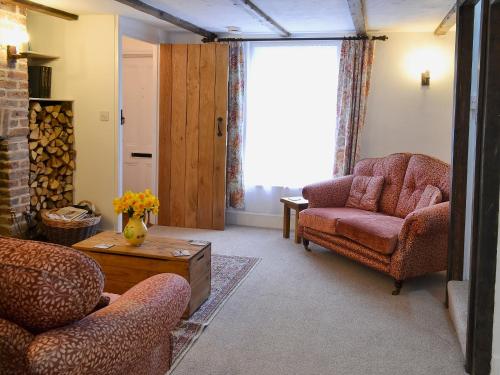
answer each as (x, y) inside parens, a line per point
(125, 266)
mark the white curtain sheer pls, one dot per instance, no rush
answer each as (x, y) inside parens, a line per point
(291, 114)
(290, 120)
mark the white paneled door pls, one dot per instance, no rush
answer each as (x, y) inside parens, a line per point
(139, 79)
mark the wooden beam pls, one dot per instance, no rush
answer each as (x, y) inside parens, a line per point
(357, 8)
(164, 16)
(487, 187)
(45, 9)
(460, 148)
(448, 21)
(255, 10)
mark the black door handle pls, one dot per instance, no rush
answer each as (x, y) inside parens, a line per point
(219, 126)
(141, 155)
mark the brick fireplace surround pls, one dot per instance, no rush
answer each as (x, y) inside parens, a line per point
(14, 157)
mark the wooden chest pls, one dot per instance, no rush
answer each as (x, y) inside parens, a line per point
(124, 266)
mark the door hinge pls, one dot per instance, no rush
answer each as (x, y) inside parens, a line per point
(122, 118)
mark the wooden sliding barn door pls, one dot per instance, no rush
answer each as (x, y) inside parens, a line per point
(192, 146)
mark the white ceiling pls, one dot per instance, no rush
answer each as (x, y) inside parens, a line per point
(406, 15)
(297, 16)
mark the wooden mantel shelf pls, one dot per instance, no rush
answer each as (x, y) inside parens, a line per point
(51, 100)
(32, 55)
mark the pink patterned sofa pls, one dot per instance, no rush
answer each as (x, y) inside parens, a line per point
(50, 322)
(406, 232)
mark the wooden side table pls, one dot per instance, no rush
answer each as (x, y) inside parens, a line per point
(298, 204)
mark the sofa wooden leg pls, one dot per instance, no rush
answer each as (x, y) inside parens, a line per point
(398, 284)
(306, 244)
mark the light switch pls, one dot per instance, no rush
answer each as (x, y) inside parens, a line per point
(104, 116)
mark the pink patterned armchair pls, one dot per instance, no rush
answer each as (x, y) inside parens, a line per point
(49, 323)
(403, 234)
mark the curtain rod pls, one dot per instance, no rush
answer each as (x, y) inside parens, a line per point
(362, 37)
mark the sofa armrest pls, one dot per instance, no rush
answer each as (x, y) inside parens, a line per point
(14, 342)
(119, 337)
(423, 242)
(331, 193)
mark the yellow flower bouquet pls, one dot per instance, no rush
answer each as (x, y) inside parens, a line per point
(136, 205)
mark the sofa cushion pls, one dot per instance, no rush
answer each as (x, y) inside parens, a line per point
(377, 232)
(431, 196)
(393, 169)
(422, 171)
(45, 286)
(325, 219)
(365, 193)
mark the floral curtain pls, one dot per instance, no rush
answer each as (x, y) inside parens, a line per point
(356, 61)
(235, 193)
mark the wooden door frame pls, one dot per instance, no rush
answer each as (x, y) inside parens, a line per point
(460, 140)
(487, 180)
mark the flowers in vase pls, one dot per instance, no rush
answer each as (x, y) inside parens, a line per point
(137, 204)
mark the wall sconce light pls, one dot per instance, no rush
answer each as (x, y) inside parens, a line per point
(426, 78)
(12, 35)
(419, 62)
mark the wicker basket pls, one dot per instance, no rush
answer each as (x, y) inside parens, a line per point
(69, 232)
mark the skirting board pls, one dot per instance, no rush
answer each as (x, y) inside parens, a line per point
(458, 302)
(495, 364)
(253, 219)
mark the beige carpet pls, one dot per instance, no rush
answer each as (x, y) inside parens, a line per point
(228, 272)
(319, 314)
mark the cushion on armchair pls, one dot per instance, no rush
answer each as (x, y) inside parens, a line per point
(393, 169)
(365, 192)
(422, 171)
(45, 286)
(431, 196)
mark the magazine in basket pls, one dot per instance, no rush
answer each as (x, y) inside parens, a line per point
(71, 213)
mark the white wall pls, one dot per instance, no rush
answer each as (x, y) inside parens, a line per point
(139, 30)
(86, 72)
(403, 116)
(183, 38)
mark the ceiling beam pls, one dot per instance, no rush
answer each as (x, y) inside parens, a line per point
(45, 9)
(164, 16)
(357, 9)
(263, 16)
(448, 21)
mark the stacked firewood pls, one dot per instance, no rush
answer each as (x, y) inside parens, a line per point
(52, 157)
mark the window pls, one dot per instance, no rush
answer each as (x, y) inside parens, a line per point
(290, 114)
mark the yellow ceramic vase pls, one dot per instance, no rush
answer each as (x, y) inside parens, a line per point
(135, 231)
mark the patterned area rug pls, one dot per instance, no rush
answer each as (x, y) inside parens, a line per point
(227, 274)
